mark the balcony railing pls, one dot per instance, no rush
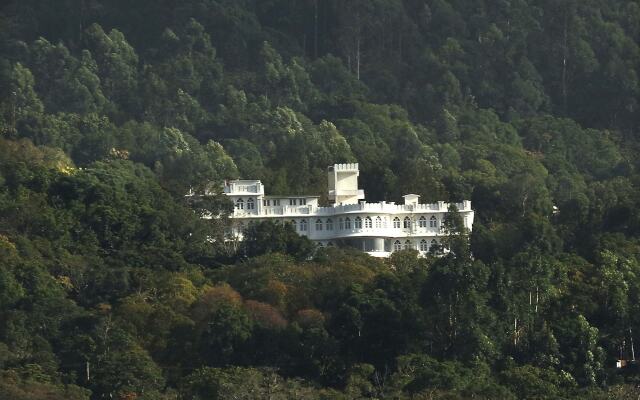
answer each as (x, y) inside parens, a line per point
(361, 207)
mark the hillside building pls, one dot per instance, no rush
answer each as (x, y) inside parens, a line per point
(377, 228)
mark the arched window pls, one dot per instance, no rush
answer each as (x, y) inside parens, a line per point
(240, 204)
(396, 222)
(341, 224)
(293, 223)
(367, 223)
(358, 223)
(407, 223)
(378, 222)
(423, 245)
(397, 246)
(318, 224)
(303, 225)
(422, 222)
(250, 204)
(408, 245)
(329, 224)
(347, 223)
(433, 222)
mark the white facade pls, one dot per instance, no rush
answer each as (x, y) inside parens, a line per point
(377, 228)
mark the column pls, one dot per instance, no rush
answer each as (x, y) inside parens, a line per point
(378, 244)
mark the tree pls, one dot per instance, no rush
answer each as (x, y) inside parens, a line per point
(23, 101)
(267, 237)
(117, 66)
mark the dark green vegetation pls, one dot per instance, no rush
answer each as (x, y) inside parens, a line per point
(112, 287)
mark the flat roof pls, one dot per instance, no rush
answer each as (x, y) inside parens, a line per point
(289, 196)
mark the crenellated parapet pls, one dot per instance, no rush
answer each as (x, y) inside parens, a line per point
(348, 167)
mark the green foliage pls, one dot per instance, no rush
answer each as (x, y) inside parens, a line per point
(268, 237)
(111, 285)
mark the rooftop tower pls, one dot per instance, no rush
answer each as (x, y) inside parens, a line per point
(343, 184)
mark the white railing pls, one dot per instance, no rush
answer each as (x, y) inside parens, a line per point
(362, 207)
(244, 188)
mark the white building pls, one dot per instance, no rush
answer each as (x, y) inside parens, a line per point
(377, 228)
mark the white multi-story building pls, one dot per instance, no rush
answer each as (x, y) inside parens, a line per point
(377, 228)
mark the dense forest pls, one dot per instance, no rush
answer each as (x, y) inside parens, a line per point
(112, 287)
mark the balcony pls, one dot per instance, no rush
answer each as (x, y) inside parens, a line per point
(244, 188)
(359, 208)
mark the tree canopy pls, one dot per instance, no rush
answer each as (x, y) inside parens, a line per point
(111, 112)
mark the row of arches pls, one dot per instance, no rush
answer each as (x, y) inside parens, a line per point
(240, 204)
(422, 222)
(366, 223)
(423, 245)
(349, 223)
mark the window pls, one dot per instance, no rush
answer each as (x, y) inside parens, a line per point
(303, 225)
(347, 223)
(423, 245)
(396, 222)
(433, 222)
(292, 202)
(422, 222)
(329, 224)
(276, 202)
(293, 223)
(408, 245)
(367, 223)
(378, 222)
(303, 202)
(250, 204)
(407, 223)
(240, 204)
(318, 224)
(341, 224)
(358, 223)
(397, 246)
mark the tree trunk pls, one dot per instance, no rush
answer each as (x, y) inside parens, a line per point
(564, 63)
(315, 29)
(358, 57)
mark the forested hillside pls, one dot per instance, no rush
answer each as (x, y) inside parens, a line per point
(112, 287)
